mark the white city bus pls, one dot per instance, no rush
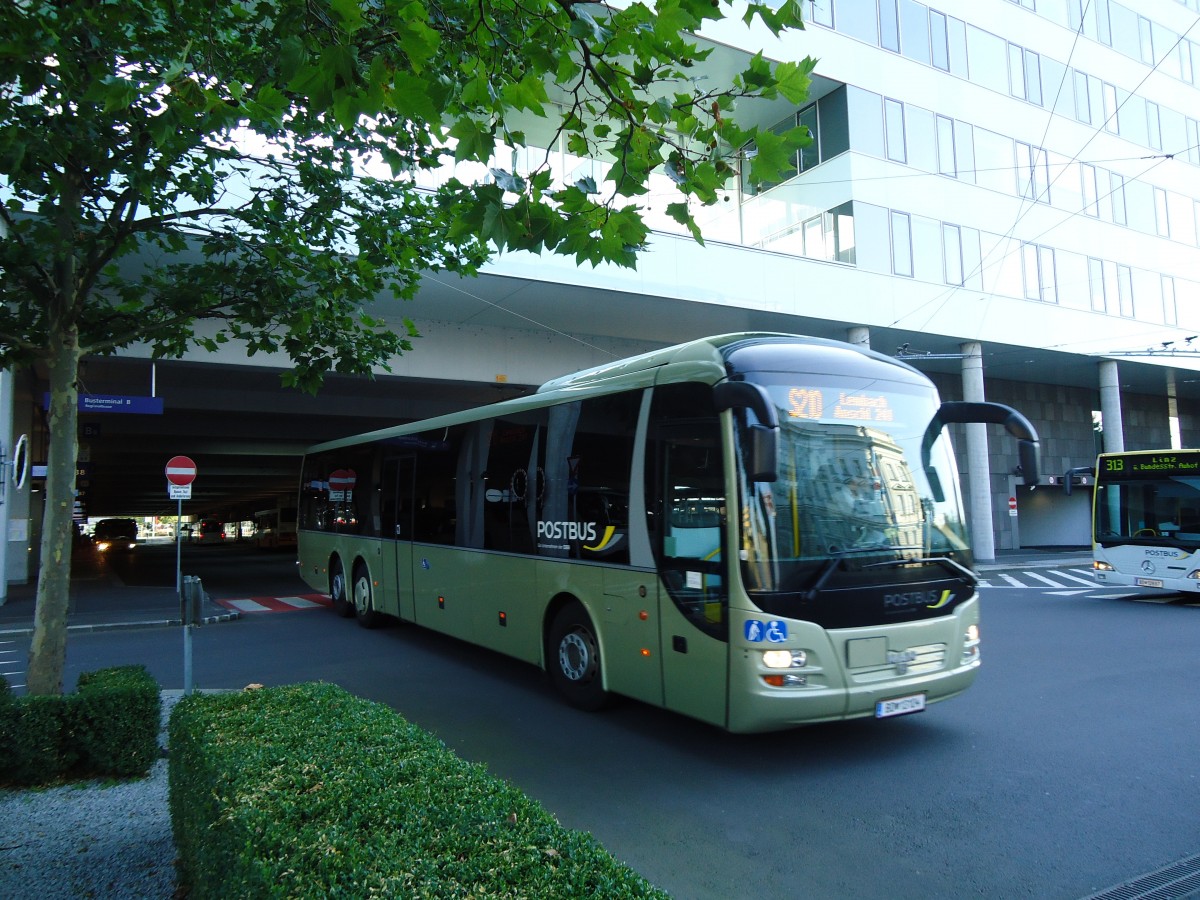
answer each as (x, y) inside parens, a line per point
(1146, 519)
(276, 527)
(756, 530)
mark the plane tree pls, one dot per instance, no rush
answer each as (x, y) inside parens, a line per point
(181, 175)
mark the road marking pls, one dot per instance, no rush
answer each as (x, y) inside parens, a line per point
(1088, 579)
(1069, 593)
(1011, 581)
(1042, 578)
(275, 604)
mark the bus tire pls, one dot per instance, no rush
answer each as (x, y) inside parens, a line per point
(364, 600)
(573, 659)
(337, 590)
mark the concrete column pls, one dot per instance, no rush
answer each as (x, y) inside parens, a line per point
(979, 478)
(1113, 440)
(860, 335)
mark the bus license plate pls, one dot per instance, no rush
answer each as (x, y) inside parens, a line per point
(900, 706)
(1150, 582)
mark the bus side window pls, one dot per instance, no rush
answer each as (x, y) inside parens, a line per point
(686, 504)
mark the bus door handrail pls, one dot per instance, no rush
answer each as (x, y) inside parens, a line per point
(986, 412)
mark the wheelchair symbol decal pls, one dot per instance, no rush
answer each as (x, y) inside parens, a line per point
(774, 632)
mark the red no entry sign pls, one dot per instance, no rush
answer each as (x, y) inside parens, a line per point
(181, 470)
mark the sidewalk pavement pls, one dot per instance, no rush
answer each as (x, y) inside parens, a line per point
(100, 601)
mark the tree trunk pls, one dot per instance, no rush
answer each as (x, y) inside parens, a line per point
(48, 653)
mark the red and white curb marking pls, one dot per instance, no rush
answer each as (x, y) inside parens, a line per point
(275, 604)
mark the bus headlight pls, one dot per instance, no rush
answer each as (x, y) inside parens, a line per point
(785, 659)
(971, 644)
(1194, 574)
(1101, 566)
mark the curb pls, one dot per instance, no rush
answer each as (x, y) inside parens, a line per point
(24, 630)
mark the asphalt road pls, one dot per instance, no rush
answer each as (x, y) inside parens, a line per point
(1070, 766)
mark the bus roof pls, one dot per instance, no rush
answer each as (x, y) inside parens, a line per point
(706, 359)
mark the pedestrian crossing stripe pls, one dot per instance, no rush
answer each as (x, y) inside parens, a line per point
(276, 604)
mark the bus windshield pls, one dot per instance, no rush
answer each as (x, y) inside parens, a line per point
(1146, 497)
(850, 487)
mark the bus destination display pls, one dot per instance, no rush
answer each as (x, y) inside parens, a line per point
(1151, 465)
(816, 404)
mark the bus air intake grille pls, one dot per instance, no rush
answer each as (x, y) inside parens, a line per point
(912, 661)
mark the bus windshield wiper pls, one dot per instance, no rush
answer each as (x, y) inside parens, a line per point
(835, 558)
(956, 568)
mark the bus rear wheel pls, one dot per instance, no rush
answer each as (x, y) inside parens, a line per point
(337, 590)
(364, 602)
(573, 659)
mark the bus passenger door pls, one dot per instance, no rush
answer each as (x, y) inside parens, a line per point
(687, 485)
(396, 501)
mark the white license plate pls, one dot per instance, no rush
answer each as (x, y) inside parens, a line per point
(900, 706)
(1150, 582)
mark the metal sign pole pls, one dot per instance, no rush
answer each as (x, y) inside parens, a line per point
(181, 472)
(185, 606)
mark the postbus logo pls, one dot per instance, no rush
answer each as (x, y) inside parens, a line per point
(577, 531)
(908, 599)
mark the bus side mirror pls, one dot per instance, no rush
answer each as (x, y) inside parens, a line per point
(991, 413)
(762, 437)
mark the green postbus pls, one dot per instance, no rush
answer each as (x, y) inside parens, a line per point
(756, 530)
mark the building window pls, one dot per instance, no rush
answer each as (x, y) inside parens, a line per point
(914, 30)
(1193, 140)
(902, 261)
(1117, 193)
(889, 26)
(1096, 284)
(1125, 290)
(1162, 223)
(945, 147)
(810, 156)
(1083, 105)
(1111, 125)
(893, 114)
(1033, 173)
(1170, 313)
(1091, 205)
(1146, 40)
(939, 45)
(1024, 74)
(1040, 280)
(1154, 125)
(819, 12)
(952, 254)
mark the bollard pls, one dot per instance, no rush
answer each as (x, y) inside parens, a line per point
(191, 600)
(191, 597)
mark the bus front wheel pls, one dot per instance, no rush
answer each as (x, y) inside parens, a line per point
(364, 603)
(574, 659)
(337, 590)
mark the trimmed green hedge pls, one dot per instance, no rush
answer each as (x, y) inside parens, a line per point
(306, 791)
(108, 728)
